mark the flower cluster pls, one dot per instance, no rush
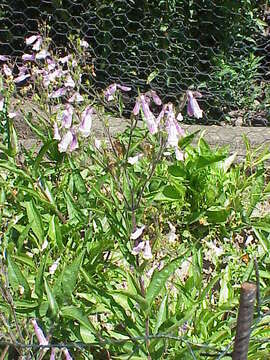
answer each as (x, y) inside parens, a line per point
(167, 119)
(67, 133)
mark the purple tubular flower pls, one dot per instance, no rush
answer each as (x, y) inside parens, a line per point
(53, 352)
(74, 143)
(7, 70)
(193, 108)
(28, 57)
(64, 59)
(2, 101)
(155, 97)
(65, 142)
(137, 106)
(69, 82)
(147, 252)
(123, 87)
(39, 333)
(31, 39)
(3, 58)
(172, 127)
(76, 98)
(67, 355)
(149, 116)
(42, 54)
(137, 233)
(110, 91)
(84, 44)
(58, 93)
(21, 78)
(56, 134)
(86, 123)
(67, 116)
(139, 248)
(37, 44)
(51, 64)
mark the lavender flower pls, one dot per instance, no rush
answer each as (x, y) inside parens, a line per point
(37, 44)
(7, 70)
(137, 233)
(138, 249)
(137, 107)
(172, 127)
(2, 101)
(67, 116)
(148, 116)
(69, 82)
(67, 354)
(42, 54)
(76, 98)
(3, 58)
(86, 124)
(31, 39)
(154, 96)
(28, 57)
(53, 352)
(39, 333)
(84, 44)
(193, 108)
(65, 59)
(51, 64)
(147, 252)
(54, 266)
(74, 143)
(58, 93)
(56, 134)
(134, 159)
(65, 142)
(144, 248)
(109, 93)
(21, 78)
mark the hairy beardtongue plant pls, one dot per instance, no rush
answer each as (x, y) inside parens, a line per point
(55, 84)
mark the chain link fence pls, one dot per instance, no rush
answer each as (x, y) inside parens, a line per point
(220, 48)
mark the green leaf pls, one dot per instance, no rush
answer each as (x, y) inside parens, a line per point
(12, 139)
(152, 76)
(87, 335)
(159, 278)
(34, 219)
(138, 298)
(13, 168)
(41, 153)
(70, 275)
(16, 277)
(39, 278)
(177, 171)
(76, 314)
(204, 161)
(51, 299)
(23, 236)
(185, 141)
(172, 193)
(162, 314)
(54, 232)
(73, 212)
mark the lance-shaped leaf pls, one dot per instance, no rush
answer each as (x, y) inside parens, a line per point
(70, 275)
(159, 278)
(17, 278)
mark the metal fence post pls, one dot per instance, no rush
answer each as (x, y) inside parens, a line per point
(244, 321)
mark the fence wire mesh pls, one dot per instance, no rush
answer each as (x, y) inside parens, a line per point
(219, 48)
